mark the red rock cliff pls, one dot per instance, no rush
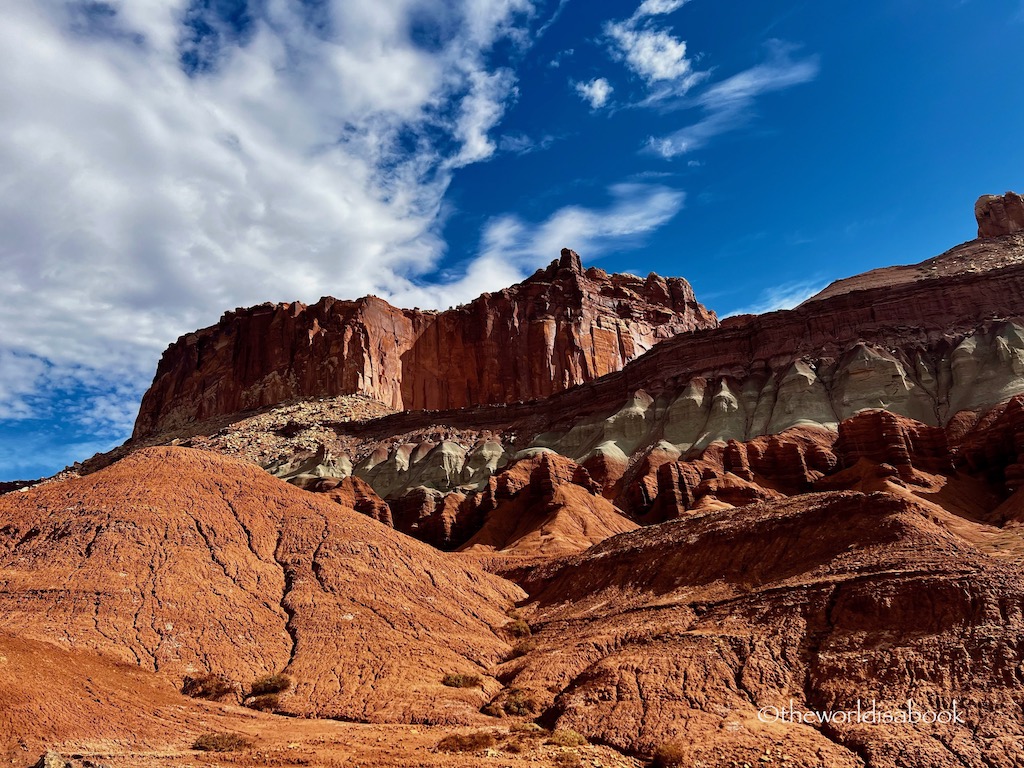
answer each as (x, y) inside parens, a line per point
(561, 327)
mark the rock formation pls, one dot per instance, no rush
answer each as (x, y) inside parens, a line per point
(562, 326)
(806, 508)
(184, 562)
(999, 215)
(544, 504)
(683, 632)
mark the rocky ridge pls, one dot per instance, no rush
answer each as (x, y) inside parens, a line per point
(562, 326)
(999, 215)
(809, 508)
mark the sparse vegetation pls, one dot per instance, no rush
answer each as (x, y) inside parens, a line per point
(523, 647)
(493, 709)
(278, 683)
(517, 628)
(669, 756)
(567, 738)
(516, 747)
(268, 702)
(453, 680)
(466, 742)
(529, 729)
(221, 742)
(519, 703)
(209, 686)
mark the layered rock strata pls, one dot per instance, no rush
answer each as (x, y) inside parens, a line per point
(561, 327)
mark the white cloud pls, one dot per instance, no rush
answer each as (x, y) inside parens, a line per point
(785, 296)
(595, 93)
(556, 62)
(658, 7)
(728, 104)
(138, 202)
(511, 247)
(20, 375)
(24, 459)
(481, 110)
(653, 53)
(635, 211)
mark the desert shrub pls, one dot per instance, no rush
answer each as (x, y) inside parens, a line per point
(493, 709)
(567, 738)
(519, 703)
(516, 747)
(453, 680)
(221, 742)
(568, 760)
(523, 647)
(517, 628)
(529, 729)
(271, 684)
(669, 756)
(466, 742)
(210, 686)
(268, 702)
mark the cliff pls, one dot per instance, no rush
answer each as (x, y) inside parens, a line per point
(561, 327)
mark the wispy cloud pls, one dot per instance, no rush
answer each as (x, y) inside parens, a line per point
(595, 93)
(511, 247)
(551, 20)
(658, 7)
(523, 144)
(729, 104)
(163, 162)
(490, 93)
(784, 296)
(556, 62)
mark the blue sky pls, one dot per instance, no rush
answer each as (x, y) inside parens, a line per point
(166, 160)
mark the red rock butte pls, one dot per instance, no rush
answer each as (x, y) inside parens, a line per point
(560, 327)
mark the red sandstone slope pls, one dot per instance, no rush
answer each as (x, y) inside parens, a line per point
(545, 505)
(682, 632)
(185, 562)
(54, 698)
(562, 326)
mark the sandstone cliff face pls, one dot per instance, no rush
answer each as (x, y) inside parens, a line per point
(561, 327)
(999, 215)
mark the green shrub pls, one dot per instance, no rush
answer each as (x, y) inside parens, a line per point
(466, 742)
(453, 680)
(669, 756)
(523, 647)
(209, 686)
(567, 738)
(519, 703)
(517, 628)
(221, 742)
(493, 710)
(278, 683)
(529, 729)
(268, 702)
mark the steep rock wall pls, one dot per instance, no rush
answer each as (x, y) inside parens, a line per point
(561, 327)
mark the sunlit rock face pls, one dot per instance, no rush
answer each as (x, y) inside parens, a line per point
(561, 327)
(999, 214)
